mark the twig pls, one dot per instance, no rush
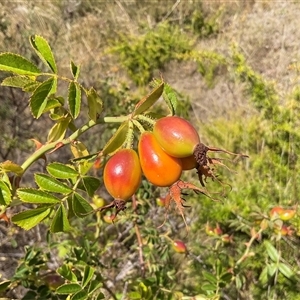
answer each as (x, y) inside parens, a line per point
(124, 291)
(139, 238)
(171, 11)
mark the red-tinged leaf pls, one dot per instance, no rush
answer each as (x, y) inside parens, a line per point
(74, 99)
(17, 64)
(30, 218)
(43, 50)
(39, 98)
(149, 100)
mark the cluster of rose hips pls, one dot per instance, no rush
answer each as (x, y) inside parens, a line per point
(172, 146)
(279, 215)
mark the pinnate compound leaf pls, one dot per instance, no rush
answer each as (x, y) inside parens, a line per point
(5, 194)
(60, 222)
(43, 50)
(30, 218)
(50, 184)
(68, 288)
(61, 171)
(17, 64)
(30, 195)
(95, 104)
(149, 100)
(117, 140)
(74, 99)
(39, 98)
(80, 206)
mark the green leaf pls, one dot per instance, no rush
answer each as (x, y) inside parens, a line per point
(170, 98)
(30, 218)
(74, 99)
(17, 64)
(91, 184)
(95, 285)
(18, 81)
(30, 195)
(286, 270)
(43, 50)
(95, 104)
(66, 272)
(81, 295)
(210, 277)
(87, 275)
(50, 184)
(52, 103)
(117, 140)
(60, 222)
(134, 295)
(149, 100)
(272, 252)
(39, 98)
(5, 194)
(61, 171)
(9, 166)
(100, 296)
(4, 285)
(272, 268)
(68, 288)
(263, 277)
(80, 206)
(74, 70)
(59, 129)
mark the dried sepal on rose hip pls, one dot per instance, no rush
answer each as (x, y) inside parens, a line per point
(122, 177)
(179, 138)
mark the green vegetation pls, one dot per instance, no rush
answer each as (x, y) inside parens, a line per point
(81, 84)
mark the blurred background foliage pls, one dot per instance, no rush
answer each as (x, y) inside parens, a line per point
(235, 68)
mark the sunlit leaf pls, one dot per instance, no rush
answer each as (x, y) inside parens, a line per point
(61, 171)
(4, 285)
(30, 218)
(117, 140)
(95, 104)
(81, 295)
(9, 166)
(149, 100)
(74, 99)
(272, 252)
(17, 64)
(48, 183)
(59, 129)
(30, 195)
(66, 272)
(43, 50)
(5, 194)
(38, 100)
(18, 81)
(75, 70)
(286, 270)
(68, 288)
(87, 275)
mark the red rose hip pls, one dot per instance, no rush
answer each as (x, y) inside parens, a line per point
(158, 167)
(122, 174)
(176, 136)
